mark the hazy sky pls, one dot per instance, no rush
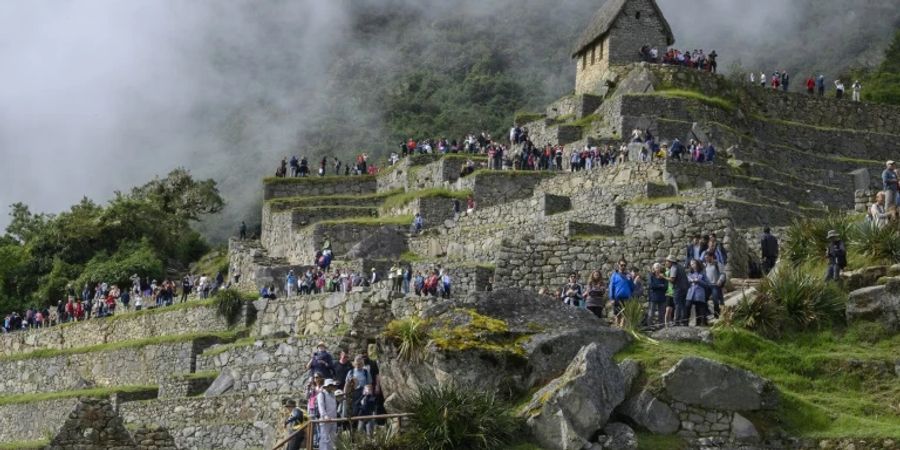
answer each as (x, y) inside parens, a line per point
(100, 95)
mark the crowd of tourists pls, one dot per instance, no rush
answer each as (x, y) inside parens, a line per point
(338, 389)
(300, 167)
(815, 85)
(697, 59)
(104, 299)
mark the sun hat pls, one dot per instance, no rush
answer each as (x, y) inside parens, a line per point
(330, 382)
(833, 234)
(671, 259)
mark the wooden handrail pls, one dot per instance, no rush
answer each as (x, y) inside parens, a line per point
(308, 429)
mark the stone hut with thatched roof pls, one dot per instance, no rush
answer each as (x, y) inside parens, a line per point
(614, 37)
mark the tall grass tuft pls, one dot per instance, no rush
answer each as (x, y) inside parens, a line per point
(228, 305)
(451, 418)
(633, 313)
(759, 314)
(412, 335)
(879, 244)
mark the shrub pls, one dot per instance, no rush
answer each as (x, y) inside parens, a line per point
(449, 418)
(788, 299)
(880, 244)
(131, 258)
(412, 334)
(760, 314)
(806, 240)
(229, 303)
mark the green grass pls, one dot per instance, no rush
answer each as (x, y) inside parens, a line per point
(664, 201)
(823, 395)
(25, 445)
(522, 118)
(331, 179)
(369, 221)
(202, 375)
(410, 257)
(120, 345)
(81, 393)
(401, 199)
(715, 102)
(512, 173)
(584, 122)
(647, 441)
(213, 262)
(218, 350)
(283, 203)
(465, 156)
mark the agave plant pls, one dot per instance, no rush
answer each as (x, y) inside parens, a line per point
(804, 300)
(881, 244)
(806, 239)
(634, 313)
(760, 314)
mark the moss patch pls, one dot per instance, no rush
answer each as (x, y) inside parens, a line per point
(81, 393)
(480, 333)
(370, 221)
(647, 441)
(522, 118)
(282, 203)
(25, 445)
(715, 102)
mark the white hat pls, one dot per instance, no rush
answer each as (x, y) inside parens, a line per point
(338, 393)
(330, 382)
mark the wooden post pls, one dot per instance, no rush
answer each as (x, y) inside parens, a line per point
(309, 435)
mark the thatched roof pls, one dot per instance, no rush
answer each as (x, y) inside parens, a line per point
(606, 17)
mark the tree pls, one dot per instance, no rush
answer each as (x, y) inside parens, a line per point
(180, 195)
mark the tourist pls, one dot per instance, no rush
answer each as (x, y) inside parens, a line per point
(321, 361)
(680, 284)
(694, 249)
(810, 85)
(621, 289)
(571, 292)
(446, 283)
(839, 89)
(836, 255)
(857, 91)
(785, 80)
(595, 299)
(769, 248)
(820, 85)
(326, 405)
(470, 205)
(292, 423)
(356, 379)
(713, 246)
(243, 231)
(366, 406)
(715, 276)
(877, 215)
(696, 295)
(290, 285)
(419, 283)
(657, 296)
(753, 78)
(890, 185)
(418, 223)
(762, 79)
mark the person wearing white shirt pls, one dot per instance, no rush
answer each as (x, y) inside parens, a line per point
(326, 404)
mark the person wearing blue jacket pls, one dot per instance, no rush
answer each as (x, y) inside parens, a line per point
(621, 287)
(696, 295)
(658, 286)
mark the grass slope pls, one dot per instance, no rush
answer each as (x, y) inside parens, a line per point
(80, 393)
(830, 381)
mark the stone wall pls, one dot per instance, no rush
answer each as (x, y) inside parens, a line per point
(638, 24)
(224, 436)
(464, 278)
(575, 106)
(129, 366)
(494, 187)
(318, 186)
(313, 315)
(434, 210)
(255, 269)
(591, 67)
(35, 420)
(124, 327)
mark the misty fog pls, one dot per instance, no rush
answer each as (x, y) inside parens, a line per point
(100, 95)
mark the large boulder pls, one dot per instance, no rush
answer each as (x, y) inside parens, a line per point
(507, 340)
(384, 243)
(876, 304)
(222, 384)
(649, 413)
(618, 436)
(568, 412)
(709, 384)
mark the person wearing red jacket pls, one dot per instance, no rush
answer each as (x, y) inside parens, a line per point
(810, 86)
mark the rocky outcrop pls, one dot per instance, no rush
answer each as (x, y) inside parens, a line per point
(876, 304)
(649, 413)
(569, 411)
(860, 278)
(507, 340)
(618, 436)
(709, 384)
